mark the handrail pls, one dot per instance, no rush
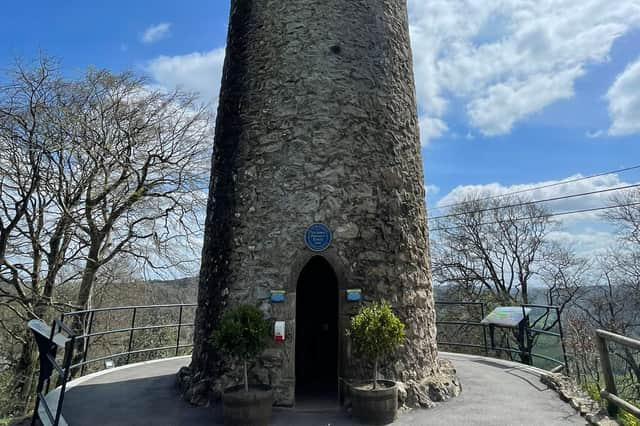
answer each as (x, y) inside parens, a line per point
(120, 308)
(123, 330)
(459, 303)
(610, 393)
(528, 328)
(617, 338)
(89, 315)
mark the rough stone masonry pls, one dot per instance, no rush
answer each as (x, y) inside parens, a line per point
(317, 123)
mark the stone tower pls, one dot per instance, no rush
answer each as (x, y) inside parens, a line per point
(316, 123)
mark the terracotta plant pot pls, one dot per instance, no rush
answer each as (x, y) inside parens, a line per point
(375, 406)
(247, 409)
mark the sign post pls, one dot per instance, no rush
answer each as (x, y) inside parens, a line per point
(514, 317)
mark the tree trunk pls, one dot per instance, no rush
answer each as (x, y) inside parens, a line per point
(22, 386)
(375, 373)
(246, 378)
(88, 277)
(83, 301)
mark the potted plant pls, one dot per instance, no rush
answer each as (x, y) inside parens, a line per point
(243, 333)
(375, 333)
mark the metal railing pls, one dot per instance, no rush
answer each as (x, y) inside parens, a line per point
(610, 393)
(49, 340)
(530, 330)
(87, 319)
(475, 323)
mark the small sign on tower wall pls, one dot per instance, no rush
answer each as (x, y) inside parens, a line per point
(277, 296)
(317, 237)
(354, 295)
(279, 331)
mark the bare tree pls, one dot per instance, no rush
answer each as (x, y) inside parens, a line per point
(144, 164)
(495, 250)
(34, 237)
(626, 217)
(611, 302)
(498, 247)
(92, 170)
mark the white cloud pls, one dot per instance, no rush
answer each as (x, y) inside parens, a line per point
(196, 72)
(586, 241)
(595, 134)
(155, 32)
(503, 60)
(546, 191)
(589, 233)
(507, 59)
(431, 128)
(503, 104)
(432, 190)
(624, 101)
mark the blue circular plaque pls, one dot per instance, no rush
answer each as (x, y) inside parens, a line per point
(317, 237)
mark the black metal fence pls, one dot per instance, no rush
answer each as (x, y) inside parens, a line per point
(125, 325)
(539, 342)
(459, 328)
(116, 337)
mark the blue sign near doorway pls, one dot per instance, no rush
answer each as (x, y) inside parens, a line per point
(317, 237)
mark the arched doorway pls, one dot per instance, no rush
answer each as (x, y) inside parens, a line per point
(317, 333)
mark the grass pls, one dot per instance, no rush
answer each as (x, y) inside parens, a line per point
(624, 418)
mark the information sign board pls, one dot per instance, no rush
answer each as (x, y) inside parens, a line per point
(506, 316)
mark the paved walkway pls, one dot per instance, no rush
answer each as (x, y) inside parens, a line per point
(494, 393)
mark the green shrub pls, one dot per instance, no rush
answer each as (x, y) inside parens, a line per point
(624, 417)
(242, 333)
(627, 419)
(593, 390)
(376, 332)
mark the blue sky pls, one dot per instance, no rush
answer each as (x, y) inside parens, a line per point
(511, 93)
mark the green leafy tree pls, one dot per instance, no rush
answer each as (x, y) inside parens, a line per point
(376, 332)
(243, 333)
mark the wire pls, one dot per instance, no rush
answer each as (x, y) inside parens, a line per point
(564, 182)
(526, 203)
(446, 228)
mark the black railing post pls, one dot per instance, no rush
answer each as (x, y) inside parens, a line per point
(86, 344)
(179, 328)
(133, 326)
(522, 342)
(564, 350)
(68, 357)
(484, 330)
(526, 349)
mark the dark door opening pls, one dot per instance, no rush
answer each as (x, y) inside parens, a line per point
(317, 333)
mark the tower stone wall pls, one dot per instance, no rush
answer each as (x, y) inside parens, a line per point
(317, 122)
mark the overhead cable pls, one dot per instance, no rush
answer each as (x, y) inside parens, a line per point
(550, 185)
(518, 219)
(526, 203)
